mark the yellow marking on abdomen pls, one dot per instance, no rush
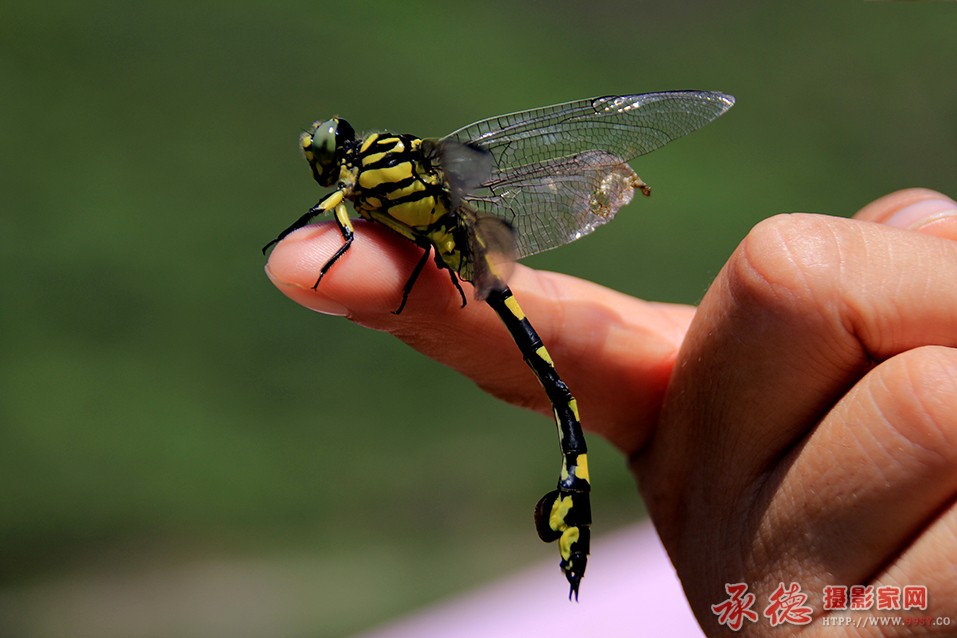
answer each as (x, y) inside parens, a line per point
(544, 356)
(516, 309)
(581, 467)
(573, 406)
(560, 508)
(569, 537)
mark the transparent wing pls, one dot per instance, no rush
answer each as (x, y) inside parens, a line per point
(550, 204)
(491, 252)
(558, 172)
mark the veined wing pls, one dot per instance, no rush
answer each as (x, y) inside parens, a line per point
(558, 172)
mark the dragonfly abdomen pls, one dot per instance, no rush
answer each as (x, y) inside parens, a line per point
(563, 514)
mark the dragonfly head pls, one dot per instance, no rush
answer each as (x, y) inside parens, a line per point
(323, 145)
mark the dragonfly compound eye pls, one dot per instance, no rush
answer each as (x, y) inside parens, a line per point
(323, 146)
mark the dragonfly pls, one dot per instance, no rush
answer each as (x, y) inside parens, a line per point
(491, 193)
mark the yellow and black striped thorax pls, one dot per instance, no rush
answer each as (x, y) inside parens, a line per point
(397, 180)
(394, 176)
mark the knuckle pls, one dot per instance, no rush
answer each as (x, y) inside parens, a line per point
(917, 397)
(786, 260)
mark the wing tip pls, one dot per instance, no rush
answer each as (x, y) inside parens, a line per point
(726, 100)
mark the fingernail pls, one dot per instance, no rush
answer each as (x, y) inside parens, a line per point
(922, 213)
(307, 297)
(324, 306)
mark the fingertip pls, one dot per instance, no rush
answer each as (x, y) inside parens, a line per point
(918, 209)
(306, 297)
(365, 283)
(294, 265)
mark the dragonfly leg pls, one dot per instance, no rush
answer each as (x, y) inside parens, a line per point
(454, 277)
(410, 282)
(329, 202)
(341, 216)
(458, 286)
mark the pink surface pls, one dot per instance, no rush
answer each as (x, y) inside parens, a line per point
(630, 590)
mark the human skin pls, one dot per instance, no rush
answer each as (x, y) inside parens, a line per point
(799, 425)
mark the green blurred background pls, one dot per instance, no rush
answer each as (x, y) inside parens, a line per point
(164, 410)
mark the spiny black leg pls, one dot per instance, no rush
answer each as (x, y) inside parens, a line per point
(348, 236)
(299, 223)
(410, 282)
(455, 282)
(455, 279)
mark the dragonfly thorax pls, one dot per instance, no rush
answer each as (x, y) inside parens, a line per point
(395, 180)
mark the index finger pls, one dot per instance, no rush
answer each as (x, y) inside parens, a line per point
(614, 351)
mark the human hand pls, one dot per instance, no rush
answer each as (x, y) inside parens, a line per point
(741, 474)
(809, 432)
